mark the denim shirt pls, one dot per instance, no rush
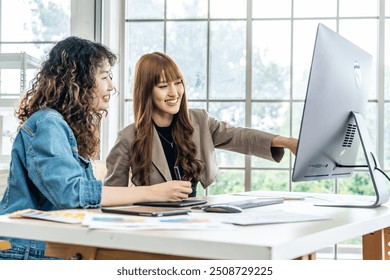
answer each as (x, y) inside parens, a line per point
(46, 171)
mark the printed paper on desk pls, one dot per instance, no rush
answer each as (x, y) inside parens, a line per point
(272, 217)
(69, 216)
(125, 222)
(113, 221)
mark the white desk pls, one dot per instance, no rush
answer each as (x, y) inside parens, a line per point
(278, 241)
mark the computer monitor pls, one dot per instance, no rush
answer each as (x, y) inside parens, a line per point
(332, 129)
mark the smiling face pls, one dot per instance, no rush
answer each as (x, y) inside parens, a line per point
(167, 97)
(104, 86)
(158, 92)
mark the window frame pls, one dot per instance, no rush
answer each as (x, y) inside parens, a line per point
(379, 100)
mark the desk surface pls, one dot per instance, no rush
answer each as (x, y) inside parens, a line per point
(276, 241)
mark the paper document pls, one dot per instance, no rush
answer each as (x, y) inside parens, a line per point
(125, 222)
(272, 217)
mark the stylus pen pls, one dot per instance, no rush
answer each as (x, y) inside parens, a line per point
(178, 177)
(177, 172)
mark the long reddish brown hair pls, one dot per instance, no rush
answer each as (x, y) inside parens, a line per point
(148, 73)
(66, 83)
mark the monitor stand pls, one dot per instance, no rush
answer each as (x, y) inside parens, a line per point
(381, 190)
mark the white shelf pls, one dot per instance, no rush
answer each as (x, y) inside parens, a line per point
(20, 61)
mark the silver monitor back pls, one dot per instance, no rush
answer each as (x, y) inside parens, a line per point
(332, 128)
(340, 77)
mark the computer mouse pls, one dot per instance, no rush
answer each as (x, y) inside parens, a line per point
(222, 208)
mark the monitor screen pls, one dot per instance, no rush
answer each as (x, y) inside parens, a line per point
(332, 121)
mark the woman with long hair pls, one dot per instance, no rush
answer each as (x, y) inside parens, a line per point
(58, 136)
(172, 147)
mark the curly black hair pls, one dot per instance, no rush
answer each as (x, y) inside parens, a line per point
(66, 83)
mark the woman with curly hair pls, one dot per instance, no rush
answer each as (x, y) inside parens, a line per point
(166, 135)
(57, 137)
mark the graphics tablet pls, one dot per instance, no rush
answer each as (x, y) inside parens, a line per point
(183, 203)
(145, 211)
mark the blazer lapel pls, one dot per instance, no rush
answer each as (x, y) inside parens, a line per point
(158, 158)
(196, 139)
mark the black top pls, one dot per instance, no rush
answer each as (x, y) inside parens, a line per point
(170, 151)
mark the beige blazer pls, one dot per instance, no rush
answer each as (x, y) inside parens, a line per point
(209, 134)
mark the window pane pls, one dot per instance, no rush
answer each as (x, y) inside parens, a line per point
(297, 111)
(140, 42)
(359, 183)
(304, 39)
(263, 163)
(229, 159)
(129, 113)
(387, 136)
(178, 9)
(371, 121)
(228, 181)
(320, 186)
(145, 9)
(364, 34)
(354, 8)
(267, 180)
(271, 9)
(230, 112)
(15, 14)
(361, 32)
(197, 105)
(200, 191)
(387, 8)
(34, 20)
(228, 8)
(190, 54)
(271, 117)
(271, 60)
(227, 60)
(312, 9)
(387, 60)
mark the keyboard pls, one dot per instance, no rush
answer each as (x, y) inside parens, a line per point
(247, 203)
